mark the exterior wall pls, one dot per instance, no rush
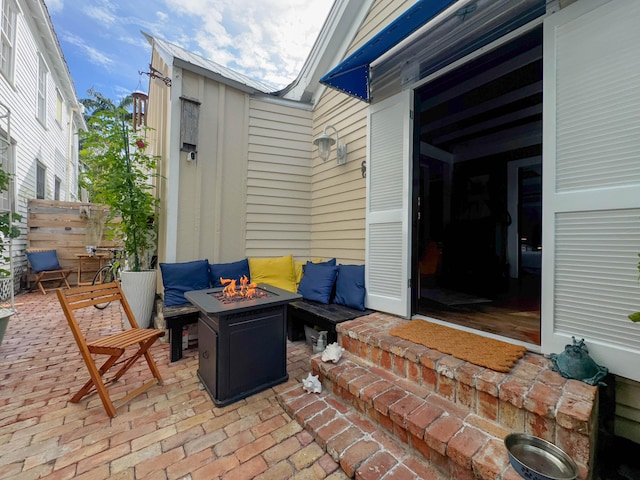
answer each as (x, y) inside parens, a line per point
(278, 220)
(339, 191)
(159, 137)
(627, 415)
(211, 211)
(53, 144)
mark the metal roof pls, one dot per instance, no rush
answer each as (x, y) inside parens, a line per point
(208, 68)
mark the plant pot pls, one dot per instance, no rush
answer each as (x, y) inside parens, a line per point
(5, 315)
(140, 290)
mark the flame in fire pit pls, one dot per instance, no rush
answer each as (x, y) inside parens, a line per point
(247, 290)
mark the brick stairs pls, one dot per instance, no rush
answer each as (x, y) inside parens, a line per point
(393, 409)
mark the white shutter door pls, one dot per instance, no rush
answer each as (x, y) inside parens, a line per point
(591, 181)
(388, 179)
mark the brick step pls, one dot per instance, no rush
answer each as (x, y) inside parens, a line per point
(458, 443)
(362, 449)
(530, 398)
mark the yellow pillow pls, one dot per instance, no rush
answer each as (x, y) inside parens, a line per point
(298, 264)
(278, 272)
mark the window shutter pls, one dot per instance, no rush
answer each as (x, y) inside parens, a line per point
(592, 181)
(388, 180)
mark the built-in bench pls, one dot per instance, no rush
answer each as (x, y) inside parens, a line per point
(316, 283)
(321, 315)
(300, 313)
(174, 319)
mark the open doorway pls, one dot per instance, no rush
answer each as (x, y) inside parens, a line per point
(478, 185)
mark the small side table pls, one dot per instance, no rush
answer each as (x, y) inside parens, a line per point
(84, 258)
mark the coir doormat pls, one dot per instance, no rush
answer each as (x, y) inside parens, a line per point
(486, 352)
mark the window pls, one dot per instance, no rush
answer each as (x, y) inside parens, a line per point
(42, 91)
(59, 105)
(7, 38)
(41, 176)
(7, 166)
(56, 192)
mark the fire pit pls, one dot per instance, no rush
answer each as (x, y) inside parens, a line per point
(241, 339)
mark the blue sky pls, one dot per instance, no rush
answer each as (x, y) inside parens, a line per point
(268, 40)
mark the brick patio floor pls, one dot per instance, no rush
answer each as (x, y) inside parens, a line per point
(174, 431)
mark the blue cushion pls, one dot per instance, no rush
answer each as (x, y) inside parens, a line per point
(331, 263)
(178, 278)
(350, 290)
(232, 270)
(43, 261)
(317, 282)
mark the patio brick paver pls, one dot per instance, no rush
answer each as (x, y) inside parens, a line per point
(174, 431)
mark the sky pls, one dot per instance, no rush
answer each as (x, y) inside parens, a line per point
(267, 40)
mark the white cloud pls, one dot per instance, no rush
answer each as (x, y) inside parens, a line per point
(55, 6)
(267, 40)
(104, 12)
(95, 56)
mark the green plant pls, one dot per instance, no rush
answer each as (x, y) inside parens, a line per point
(117, 174)
(7, 227)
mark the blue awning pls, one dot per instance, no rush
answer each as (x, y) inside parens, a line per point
(353, 75)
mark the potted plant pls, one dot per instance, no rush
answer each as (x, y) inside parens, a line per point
(8, 231)
(117, 174)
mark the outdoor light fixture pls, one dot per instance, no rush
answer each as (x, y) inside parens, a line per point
(325, 142)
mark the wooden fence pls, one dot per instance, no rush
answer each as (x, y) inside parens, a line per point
(64, 226)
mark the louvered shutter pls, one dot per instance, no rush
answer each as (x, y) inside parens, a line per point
(591, 181)
(388, 180)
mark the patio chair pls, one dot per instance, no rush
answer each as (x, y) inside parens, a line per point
(113, 345)
(46, 267)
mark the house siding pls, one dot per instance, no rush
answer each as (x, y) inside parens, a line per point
(339, 191)
(159, 138)
(278, 180)
(52, 144)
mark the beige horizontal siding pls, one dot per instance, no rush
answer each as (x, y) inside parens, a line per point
(338, 193)
(278, 181)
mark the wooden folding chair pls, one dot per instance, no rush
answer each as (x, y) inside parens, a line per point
(112, 345)
(46, 267)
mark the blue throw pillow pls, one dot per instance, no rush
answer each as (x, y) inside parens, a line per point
(331, 263)
(350, 289)
(43, 261)
(178, 278)
(232, 270)
(317, 282)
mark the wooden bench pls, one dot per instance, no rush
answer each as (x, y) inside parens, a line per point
(175, 318)
(323, 316)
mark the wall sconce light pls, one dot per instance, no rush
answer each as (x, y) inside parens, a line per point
(325, 142)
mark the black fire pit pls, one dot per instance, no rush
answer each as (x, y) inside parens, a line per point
(241, 342)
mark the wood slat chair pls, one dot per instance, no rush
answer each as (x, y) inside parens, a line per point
(46, 267)
(113, 345)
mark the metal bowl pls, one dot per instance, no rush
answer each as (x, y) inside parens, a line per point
(536, 459)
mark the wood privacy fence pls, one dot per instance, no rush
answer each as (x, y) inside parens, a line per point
(65, 227)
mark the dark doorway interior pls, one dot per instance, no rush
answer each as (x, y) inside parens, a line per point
(478, 232)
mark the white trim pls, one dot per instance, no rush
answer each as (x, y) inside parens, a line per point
(173, 181)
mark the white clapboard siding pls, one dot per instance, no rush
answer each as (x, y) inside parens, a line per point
(53, 144)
